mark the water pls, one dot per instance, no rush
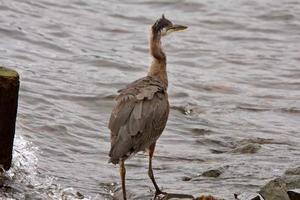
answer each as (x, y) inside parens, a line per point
(234, 77)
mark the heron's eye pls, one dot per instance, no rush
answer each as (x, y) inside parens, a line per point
(164, 31)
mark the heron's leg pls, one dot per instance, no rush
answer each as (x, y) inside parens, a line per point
(150, 171)
(122, 174)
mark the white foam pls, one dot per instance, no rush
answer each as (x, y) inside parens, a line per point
(24, 179)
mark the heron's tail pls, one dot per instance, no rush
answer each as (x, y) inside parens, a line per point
(112, 159)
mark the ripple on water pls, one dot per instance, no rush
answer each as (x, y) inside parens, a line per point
(233, 80)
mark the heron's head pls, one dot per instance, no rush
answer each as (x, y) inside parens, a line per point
(164, 27)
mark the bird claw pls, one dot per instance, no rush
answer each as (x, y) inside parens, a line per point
(158, 193)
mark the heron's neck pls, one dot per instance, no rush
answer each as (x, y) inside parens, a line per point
(158, 67)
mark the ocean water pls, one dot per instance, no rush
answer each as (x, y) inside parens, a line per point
(234, 79)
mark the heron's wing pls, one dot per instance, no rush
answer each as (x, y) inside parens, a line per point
(130, 98)
(140, 115)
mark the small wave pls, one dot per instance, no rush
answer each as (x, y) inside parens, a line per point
(23, 180)
(276, 16)
(22, 171)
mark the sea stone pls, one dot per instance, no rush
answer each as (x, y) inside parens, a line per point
(212, 173)
(247, 148)
(186, 178)
(275, 190)
(294, 194)
(206, 198)
(292, 178)
(293, 171)
(292, 182)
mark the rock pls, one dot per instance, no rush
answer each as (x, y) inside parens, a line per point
(9, 90)
(201, 131)
(206, 198)
(79, 195)
(175, 196)
(186, 178)
(293, 171)
(247, 148)
(294, 194)
(212, 173)
(287, 187)
(217, 151)
(292, 182)
(257, 198)
(292, 178)
(275, 190)
(258, 140)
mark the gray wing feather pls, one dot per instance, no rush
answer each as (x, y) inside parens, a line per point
(139, 117)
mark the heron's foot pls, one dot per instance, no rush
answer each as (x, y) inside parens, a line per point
(158, 193)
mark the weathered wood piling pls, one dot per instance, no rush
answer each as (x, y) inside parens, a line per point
(9, 92)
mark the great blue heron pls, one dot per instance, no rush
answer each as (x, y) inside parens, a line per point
(142, 108)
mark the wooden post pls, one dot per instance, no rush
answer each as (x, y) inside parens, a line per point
(9, 90)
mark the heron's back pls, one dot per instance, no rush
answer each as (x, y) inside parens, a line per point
(139, 117)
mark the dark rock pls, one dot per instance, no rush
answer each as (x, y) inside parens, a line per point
(217, 151)
(257, 198)
(257, 141)
(34, 195)
(292, 182)
(175, 196)
(186, 178)
(79, 195)
(247, 148)
(294, 194)
(293, 171)
(201, 131)
(275, 190)
(209, 197)
(287, 187)
(212, 173)
(292, 178)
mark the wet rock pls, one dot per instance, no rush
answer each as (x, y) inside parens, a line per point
(275, 190)
(206, 198)
(294, 194)
(287, 187)
(292, 178)
(201, 131)
(257, 141)
(292, 182)
(247, 148)
(212, 173)
(186, 178)
(179, 94)
(34, 195)
(79, 195)
(293, 171)
(175, 196)
(217, 151)
(257, 198)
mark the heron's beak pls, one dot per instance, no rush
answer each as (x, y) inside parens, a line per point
(176, 28)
